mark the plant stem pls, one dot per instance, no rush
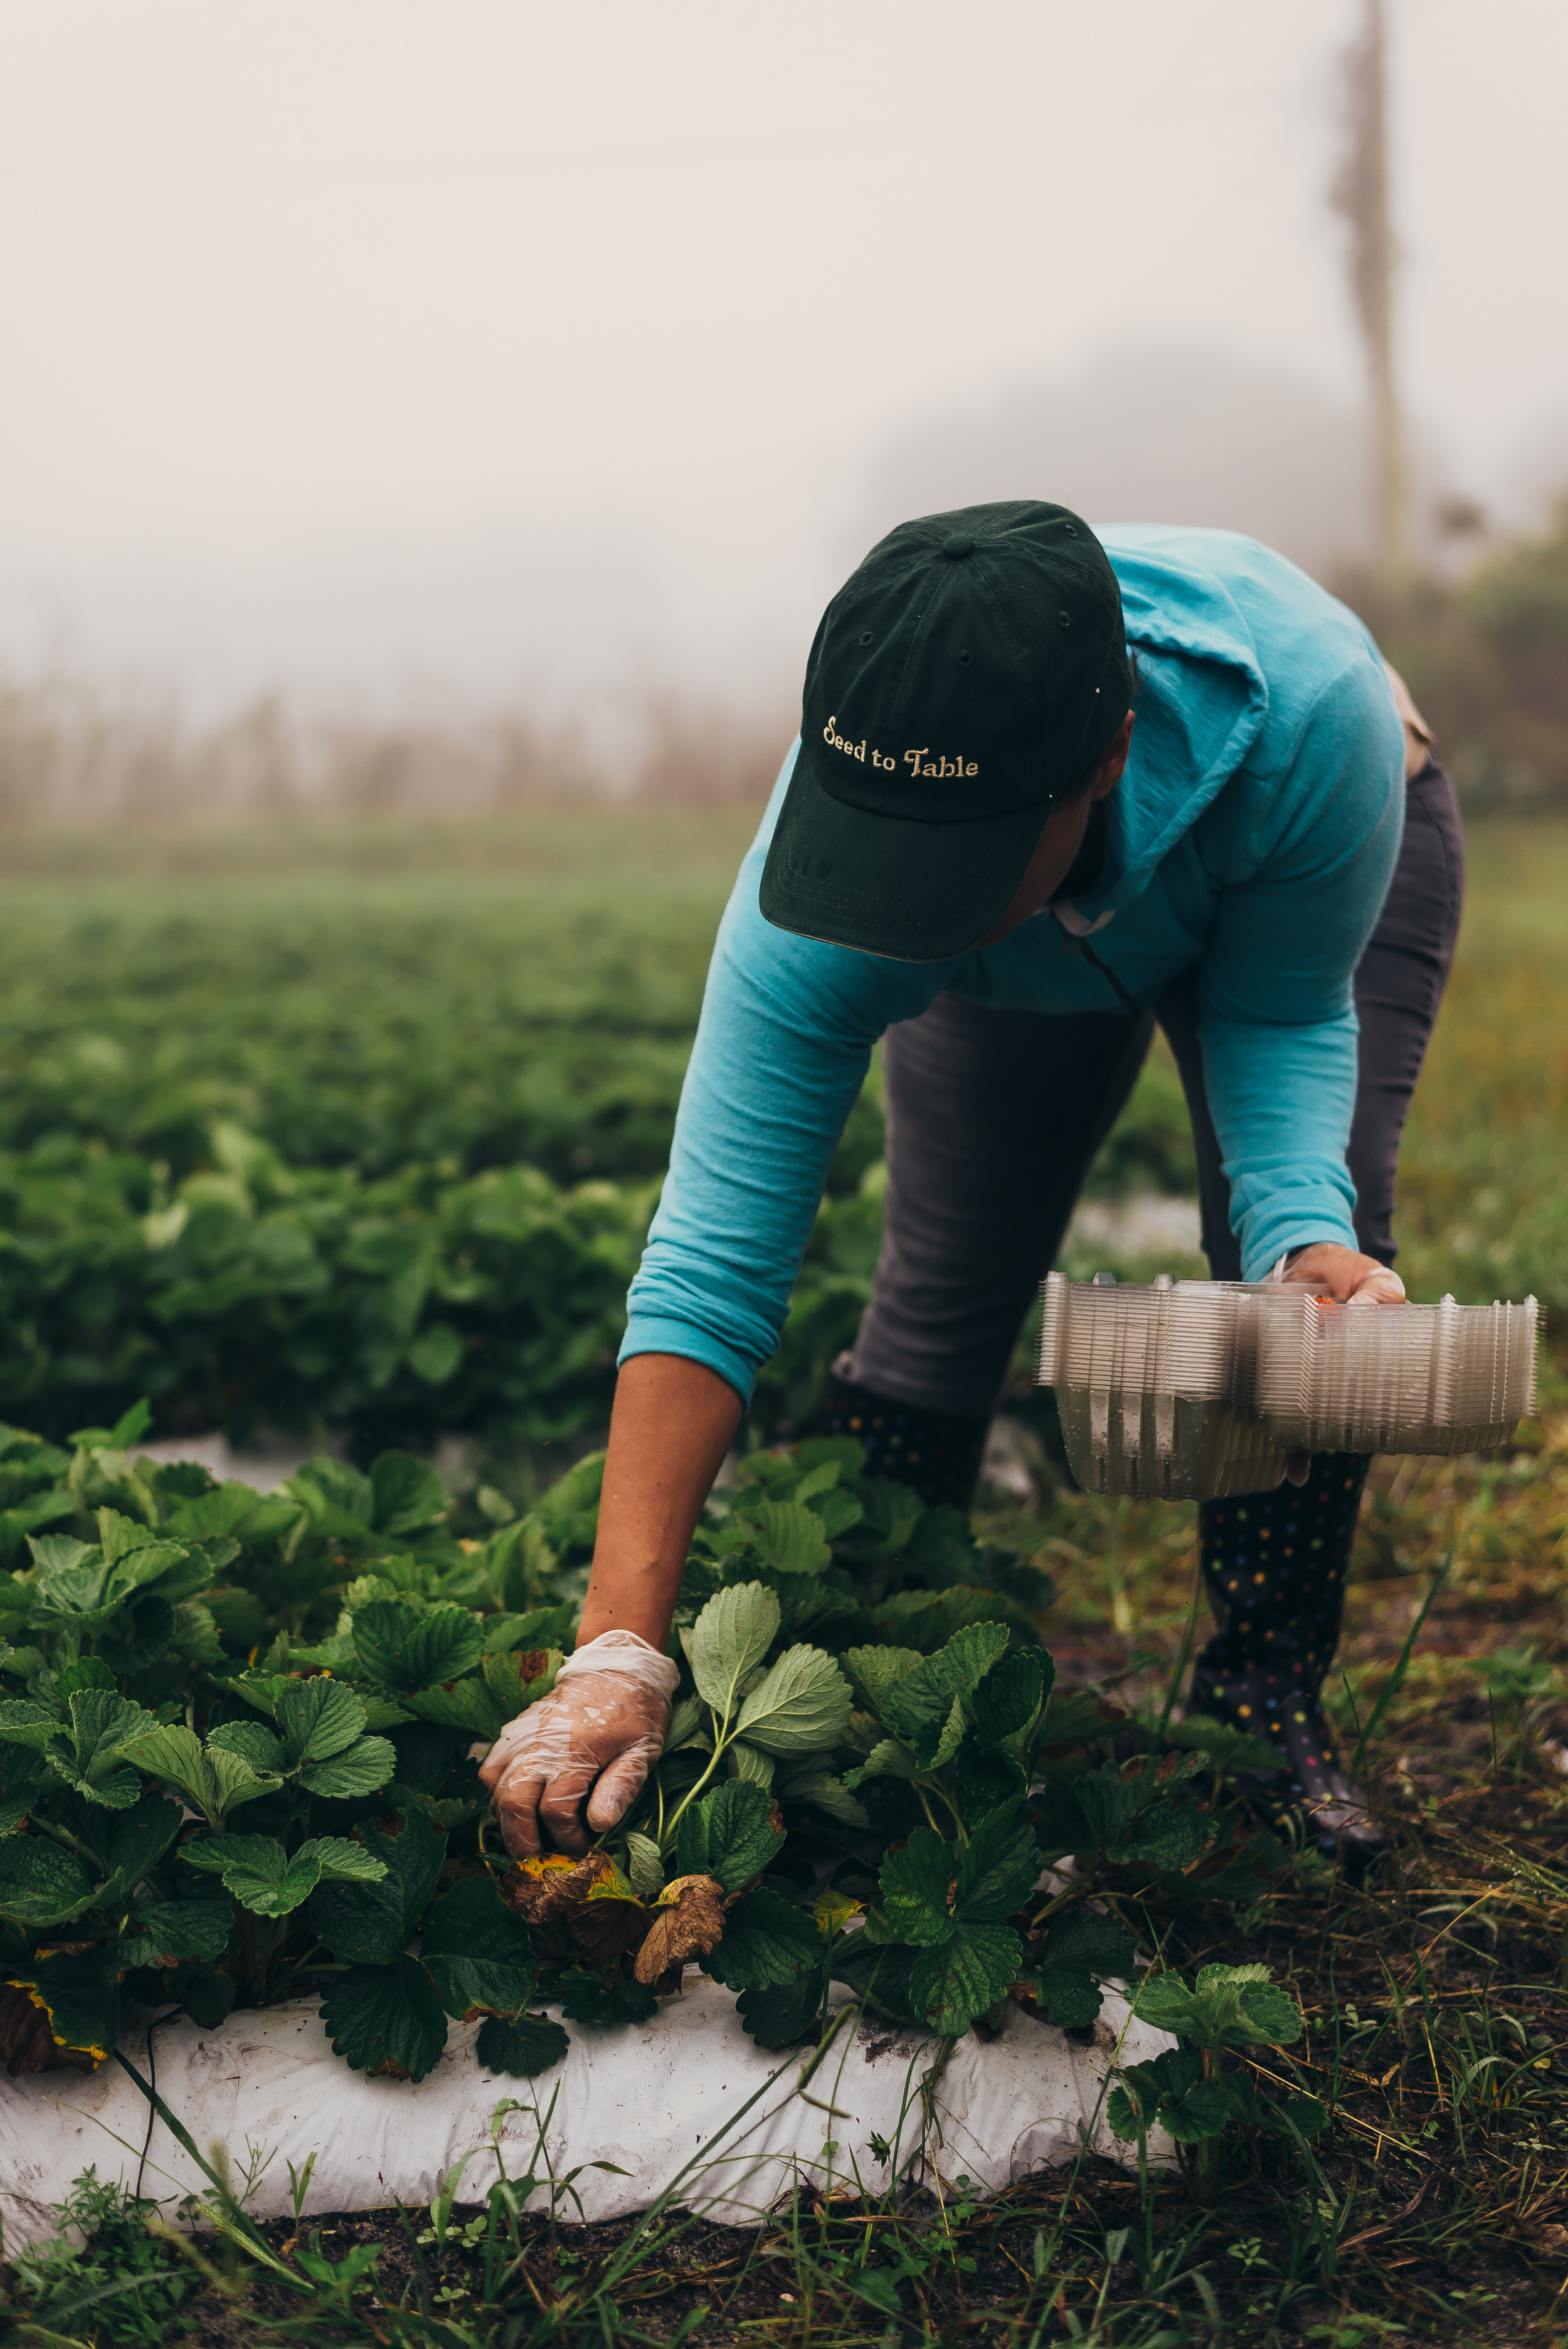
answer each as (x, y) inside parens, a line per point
(720, 1740)
(1180, 1664)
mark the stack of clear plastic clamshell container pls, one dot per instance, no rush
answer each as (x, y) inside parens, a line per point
(1187, 1390)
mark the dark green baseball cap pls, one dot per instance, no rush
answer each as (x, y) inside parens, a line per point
(963, 679)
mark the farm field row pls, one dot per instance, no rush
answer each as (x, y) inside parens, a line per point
(285, 1140)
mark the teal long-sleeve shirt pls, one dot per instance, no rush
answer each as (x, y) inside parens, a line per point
(1252, 836)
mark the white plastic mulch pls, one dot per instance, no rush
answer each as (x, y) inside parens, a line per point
(661, 2101)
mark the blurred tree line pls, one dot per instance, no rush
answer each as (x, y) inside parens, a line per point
(1486, 657)
(1484, 653)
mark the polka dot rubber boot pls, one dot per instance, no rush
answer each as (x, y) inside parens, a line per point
(1275, 1566)
(935, 1455)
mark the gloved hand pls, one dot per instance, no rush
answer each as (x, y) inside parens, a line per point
(597, 1734)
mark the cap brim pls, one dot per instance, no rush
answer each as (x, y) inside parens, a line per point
(912, 892)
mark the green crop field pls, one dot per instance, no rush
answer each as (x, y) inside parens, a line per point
(358, 1130)
(264, 1101)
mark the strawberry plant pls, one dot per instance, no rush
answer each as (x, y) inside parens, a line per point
(237, 1741)
(1186, 2092)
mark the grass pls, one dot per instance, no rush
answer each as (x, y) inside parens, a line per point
(1436, 1991)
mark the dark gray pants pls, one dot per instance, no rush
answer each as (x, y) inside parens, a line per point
(995, 1118)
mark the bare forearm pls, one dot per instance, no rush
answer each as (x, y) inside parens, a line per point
(672, 1424)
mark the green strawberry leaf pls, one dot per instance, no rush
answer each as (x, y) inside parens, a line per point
(1067, 1996)
(195, 1928)
(263, 1879)
(888, 1759)
(126, 1845)
(128, 1429)
(825, 1791)
(767, 1941)
(518, 1677)
(838, 1510)
(876, 1971)
(475, 1951)
(372, 1924)
(1011, 1694)
(951, 1986)
(386, 2019)
(927, 1619)
(41, 1886)
(644, 1865)
(360, 1769)
(728, 1640)
(60, 1553)
(380, 1635)
(233, 1781)
(461, 1704)
(141, 1635)
(29, 1721)
(1169, 2092)
(255, 1745)
(211, 1516)
(800, 1707)
(877, 1671)
(406, 1494)
(215, 1780)
(1102, 1944)
(588, 1999)
(729, 1834)
(998, 1871)
(540, 1627)
(316, 1718)
(87, 1755)
(88, 1671)
(194, 1635)
(743, 1761)
(920, 1888)
(787, 1537)
(1137, 1815)
(783, 2013)
(120, 1535)
(987, 1779)
(1231, 2006)
(443, 1645)
(524, 2047)
(1303, 2116)
(920, 1709)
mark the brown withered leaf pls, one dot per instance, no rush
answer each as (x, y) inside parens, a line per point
(609, 1920)
(544, 1887)
(27, 2041)
(687, 1923)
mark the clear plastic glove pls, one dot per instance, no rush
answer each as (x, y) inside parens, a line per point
(596, 1735)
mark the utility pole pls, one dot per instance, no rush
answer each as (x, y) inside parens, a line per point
(1359, 194)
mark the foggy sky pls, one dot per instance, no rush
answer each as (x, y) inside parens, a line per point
(513, 346)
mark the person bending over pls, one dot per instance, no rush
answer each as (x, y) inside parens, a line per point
(1052, 788)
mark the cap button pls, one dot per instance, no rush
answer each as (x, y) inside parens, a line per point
(956, 547)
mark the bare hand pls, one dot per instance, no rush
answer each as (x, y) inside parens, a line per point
(1350, 1280)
